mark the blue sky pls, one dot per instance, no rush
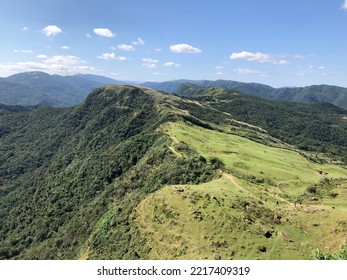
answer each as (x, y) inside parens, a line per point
(275, 42)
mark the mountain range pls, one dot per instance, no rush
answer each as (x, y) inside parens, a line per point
(33, 88)
(134, 173)
(39, 88)
(309, 94)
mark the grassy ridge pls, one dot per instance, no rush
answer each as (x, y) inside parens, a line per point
(316, 127)
(249, 212)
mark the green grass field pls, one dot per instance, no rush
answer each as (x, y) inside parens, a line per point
(249, 212)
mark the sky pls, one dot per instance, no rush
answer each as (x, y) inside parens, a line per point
(274, 42)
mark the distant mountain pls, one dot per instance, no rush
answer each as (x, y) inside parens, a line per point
(313, 94)
(168, 86)
(249, 88)
(100, 79)
(33, 88)
(310, 94)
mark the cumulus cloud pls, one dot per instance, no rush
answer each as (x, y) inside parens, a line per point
(258, 57)
(51, 30)
(63, 65)
(126, 47)
(172, 64)
(150, 62)
(247, 71)
(112, 56)
(104, 32)
(184, 48)
(65, 47)
(138, 41)
(64, 60)
(23, 51)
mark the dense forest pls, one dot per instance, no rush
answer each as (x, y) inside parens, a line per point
(63, 170)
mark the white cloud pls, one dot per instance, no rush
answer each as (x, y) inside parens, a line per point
(65, 47)
(51, 30)
(150, 62)
(172, 64)
(282, 61)
(25, 28)
(321, 67)
(63, 65)
(247, 71)
(64, 60)
(112, 56)
(23, 51)
(184, 48)
(299, 56)
(107, 56)
(258, 57)
(138, 41)
(220, 68)
(88, 35)
(121, 58)
(125, 47)
(220, 73)
(104, 32)
(344, 5)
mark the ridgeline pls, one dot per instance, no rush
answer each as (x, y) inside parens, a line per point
(133, 173)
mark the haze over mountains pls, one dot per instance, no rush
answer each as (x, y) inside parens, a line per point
(33, 88)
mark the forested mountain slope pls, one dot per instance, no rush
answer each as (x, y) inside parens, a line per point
(132, 173)
(33, 88)
(309, 94)
(315, 127)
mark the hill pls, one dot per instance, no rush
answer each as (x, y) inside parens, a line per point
(34, 88)
(132, 173)
(317, 127)
(310, 94)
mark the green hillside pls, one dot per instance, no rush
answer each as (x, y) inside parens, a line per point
(316, 94)
(316, 127)
(39, 88)
(71, 177)
(249, 212)
(132, 173)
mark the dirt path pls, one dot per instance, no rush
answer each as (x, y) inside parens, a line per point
(231, 178)
(175, 152)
